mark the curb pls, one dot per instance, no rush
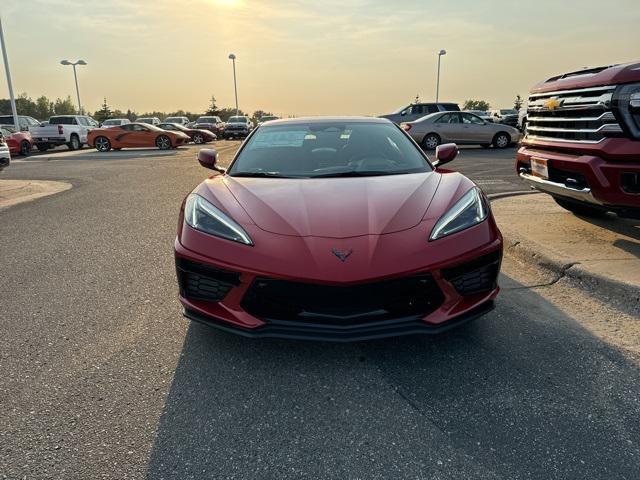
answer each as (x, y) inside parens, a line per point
(624, 296)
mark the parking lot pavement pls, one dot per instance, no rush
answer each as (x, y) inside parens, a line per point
(13, 192)
(101, 377)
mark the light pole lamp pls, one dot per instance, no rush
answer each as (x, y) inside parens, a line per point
(232, 57)
(75, 76)
(440, 54)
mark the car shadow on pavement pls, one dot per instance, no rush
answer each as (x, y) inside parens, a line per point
(524, 392)
(624, 226)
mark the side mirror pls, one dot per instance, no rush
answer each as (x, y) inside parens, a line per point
(445, 154)
(208, 158)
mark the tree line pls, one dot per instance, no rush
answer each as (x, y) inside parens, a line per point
(484, 105)
(42, 108)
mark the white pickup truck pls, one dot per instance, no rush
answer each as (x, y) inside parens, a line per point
(69, 130)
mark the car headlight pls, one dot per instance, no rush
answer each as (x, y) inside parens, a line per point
(466, 212)
(204, 216)
(626, 103)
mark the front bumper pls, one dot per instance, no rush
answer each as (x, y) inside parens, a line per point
(585, 177)
(224, 296)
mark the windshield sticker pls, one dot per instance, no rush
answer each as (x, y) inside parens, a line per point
(287, 138)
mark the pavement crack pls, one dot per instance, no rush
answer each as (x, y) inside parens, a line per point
(558, 276)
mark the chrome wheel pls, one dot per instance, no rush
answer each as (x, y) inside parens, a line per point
(103, 144)
(431, 141)
(198, 138)
(163, 142)
(502, 140)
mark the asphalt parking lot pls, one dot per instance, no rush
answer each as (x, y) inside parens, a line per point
(103, 377)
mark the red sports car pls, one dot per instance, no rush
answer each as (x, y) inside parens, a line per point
(336, 229)
(19, 143)
(134, 135)
(196, 135)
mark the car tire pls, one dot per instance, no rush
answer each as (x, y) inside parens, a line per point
(163, 142)
(74, 143)
(198, 138)
(501, 140)
(102, 144)
(25, 148)
(43, 147)
(580, 208)
(431, 141)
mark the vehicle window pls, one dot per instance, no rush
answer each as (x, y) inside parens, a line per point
(83, 121)
(449, 118)
(431, 109)
(313, 150)
(416, 110)
(237, 120)
(167, 126)
(139, 128)
(450, 107)
(471, 119)
(63, 121)
(128, 127)
(508, 112)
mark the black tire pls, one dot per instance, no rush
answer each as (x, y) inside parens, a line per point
(198, 138)
(163, 142)
(102, 144)
(580, 208)
(74, 142)
(431, 141)
(43, 147)
(25, 148)
(501, 140)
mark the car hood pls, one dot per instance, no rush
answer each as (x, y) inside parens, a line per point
(332, 207)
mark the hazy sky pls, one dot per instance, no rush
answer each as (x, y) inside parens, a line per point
(307, 57)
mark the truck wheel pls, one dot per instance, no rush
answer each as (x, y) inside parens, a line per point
(163, 142)
(25, 148)
(501, 140)
(431, 141)
(102, 144)
(43, 147)
(580, 208)
(74, 142)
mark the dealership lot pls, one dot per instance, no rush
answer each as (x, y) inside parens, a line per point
(103, 378)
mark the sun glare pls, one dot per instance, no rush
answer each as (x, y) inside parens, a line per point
(228, 3)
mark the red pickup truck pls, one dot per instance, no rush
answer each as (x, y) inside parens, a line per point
(582, 142)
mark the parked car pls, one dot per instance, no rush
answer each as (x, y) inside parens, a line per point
(427, 261)
(238, 127)
(583, 140)
(135, 135)
(417, 110)
(267, 118)
(212, 123)
(506, 116)
(180, 120)
(25, 121)
(19, 143)
(149, 120)
(459, 127)
(115, 122)
(196, 135)
(483, 114)
(69, 130)
(5, 155)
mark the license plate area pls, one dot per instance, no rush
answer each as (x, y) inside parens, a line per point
(540, 167)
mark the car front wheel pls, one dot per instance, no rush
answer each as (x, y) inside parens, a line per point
(25, 148)
(102, 144)
(198, 138)
(163, 142)
(501, 140)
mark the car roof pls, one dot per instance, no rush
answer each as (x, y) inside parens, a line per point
(306, 120)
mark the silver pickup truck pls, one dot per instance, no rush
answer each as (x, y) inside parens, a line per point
(69, 130)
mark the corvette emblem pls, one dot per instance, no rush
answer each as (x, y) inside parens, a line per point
(342, 255)
(552, 103)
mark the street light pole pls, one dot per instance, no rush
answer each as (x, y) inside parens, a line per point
(232, 57)
(9, 84)
(75, 76)
(440, 53)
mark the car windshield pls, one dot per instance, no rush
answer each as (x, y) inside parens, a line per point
(145, 120)
(237, 120)
(173, 126)
(111, 122)
(62, 121)
(173, 120)
(328, 149)
(508, 112)
(206, 120)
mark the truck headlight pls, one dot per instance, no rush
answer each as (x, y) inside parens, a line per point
(470, 210)
(204, 216)
(626, 106)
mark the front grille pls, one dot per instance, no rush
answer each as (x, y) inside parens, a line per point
(477, 276)
(582, 116)
(203, 282)
(282, 301)
(568, 179)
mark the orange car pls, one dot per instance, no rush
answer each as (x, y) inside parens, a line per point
(134, 135)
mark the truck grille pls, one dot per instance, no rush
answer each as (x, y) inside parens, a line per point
(582, 116)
